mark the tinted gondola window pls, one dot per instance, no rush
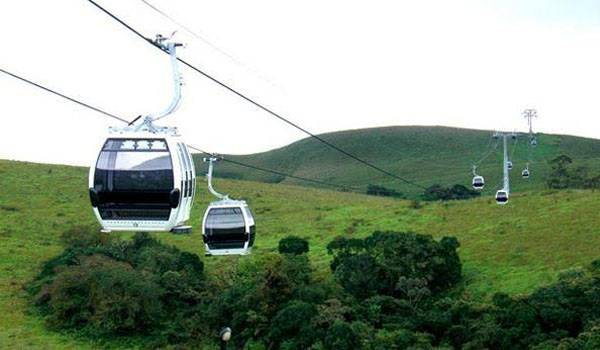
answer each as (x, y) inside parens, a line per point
(134, 165)
(225, 221)
(133, 180)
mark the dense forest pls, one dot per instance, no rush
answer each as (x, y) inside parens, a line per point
(390, 290)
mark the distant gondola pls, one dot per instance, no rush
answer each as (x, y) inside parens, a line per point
(502, 197)
(478, 183)
(228, 226)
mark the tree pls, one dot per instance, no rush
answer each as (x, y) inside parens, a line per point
(559, 178)
(341, 336)
(456, 192)
(292, 325)
(413, 290)
(375, 265)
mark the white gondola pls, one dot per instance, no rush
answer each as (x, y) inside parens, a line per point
(510, 165)
(144, 177)
(502, 197)
(478, 182)
(228, 226)
(525, 173)
(143, 181)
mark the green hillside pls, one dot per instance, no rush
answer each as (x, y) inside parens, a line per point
(425, 155)
(513, 249)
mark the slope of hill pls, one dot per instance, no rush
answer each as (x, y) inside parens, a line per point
(425, 155)
(512, 249)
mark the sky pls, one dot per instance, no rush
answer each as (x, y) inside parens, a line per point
(326, 65)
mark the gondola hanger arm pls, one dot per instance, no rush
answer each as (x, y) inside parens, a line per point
(210, 161)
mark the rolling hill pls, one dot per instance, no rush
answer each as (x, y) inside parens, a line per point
(511, 249)
(425, 155)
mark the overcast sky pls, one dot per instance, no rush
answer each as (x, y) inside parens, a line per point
(327, 65)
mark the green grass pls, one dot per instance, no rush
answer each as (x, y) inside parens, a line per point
(512, 249)
(425, 155)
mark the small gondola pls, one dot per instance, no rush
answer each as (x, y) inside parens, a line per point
(228, 226)
(502, 197)
(478, 182)
(509, 164)
(525, 173)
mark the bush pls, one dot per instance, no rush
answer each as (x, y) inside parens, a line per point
(376, 190)
(293, 245)
(456, 192)
(376, 264)
(112, 287)
(390, 290)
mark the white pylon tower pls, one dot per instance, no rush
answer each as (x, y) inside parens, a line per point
(530, 114)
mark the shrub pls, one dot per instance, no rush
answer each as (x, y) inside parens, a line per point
(112, 287)
(456, 192)
(376, 190)
(375, 265)
(292, 325)
(293, 245)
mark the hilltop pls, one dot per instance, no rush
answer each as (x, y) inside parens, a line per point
(512, 249)
(425, 155)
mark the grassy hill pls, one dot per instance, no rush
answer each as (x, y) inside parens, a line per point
(513, 249)
(425, 155)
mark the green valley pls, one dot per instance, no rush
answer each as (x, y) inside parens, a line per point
(513, 249)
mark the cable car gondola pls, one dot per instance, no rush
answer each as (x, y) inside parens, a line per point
(143, 181)
(478, 182)
(510, 165)
(502, 197)
(144, 177)
(228, 226)
(525, 173)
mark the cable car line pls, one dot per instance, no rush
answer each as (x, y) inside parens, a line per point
(489, 153)
(187, 29)
(259, 105)
(238, 163)
(54, 92)
(206, 41)
(478, 181)
(275, 172)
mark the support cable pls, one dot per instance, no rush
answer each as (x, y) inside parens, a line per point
(259, 105)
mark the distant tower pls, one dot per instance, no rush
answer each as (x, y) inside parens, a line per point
(530, 114)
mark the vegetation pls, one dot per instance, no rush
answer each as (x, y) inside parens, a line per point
(105, 286)
(502, 249)
(390, 291)
(563, 176)
(456, 192)
(293, 245)
(375, 190)
(425, 155)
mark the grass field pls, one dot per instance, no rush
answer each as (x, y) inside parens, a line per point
(425, 155)
(513, 249)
